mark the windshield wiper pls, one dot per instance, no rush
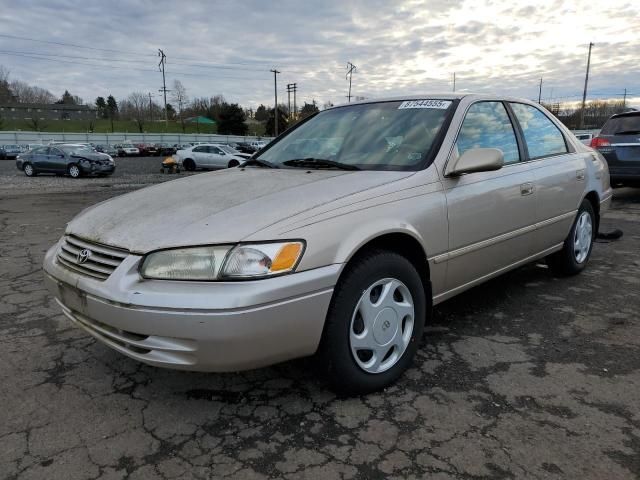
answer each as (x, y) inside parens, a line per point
(627, 132)
(260, 163)
(311, 162)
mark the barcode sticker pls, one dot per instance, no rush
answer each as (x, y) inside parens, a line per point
(440, 104)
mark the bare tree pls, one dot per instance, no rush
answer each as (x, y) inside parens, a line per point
(5, 92)
(179, 97)
(25, 93)
(36, 124)
(137, 106)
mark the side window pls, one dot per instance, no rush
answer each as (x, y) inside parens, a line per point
(199, 149)
(215, 150)
(542, 136)
(487, 125)
(55, 151)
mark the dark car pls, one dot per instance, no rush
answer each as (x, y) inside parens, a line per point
(3, 154)
(147, 150)
(72, 160)
(12, 151)
(243, 147)
(166, 149)
(619, 143)
(108, 149)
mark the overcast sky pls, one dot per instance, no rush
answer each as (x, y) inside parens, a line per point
(404, 46)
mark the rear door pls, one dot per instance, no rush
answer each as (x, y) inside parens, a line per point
(559, 174)
(39, 158)
(491, 214)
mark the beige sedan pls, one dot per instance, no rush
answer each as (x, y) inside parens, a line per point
(335, 240)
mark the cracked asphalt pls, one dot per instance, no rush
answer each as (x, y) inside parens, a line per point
(527, 376)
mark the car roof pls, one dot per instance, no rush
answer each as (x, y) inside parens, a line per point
(436, 96)
(626, 114)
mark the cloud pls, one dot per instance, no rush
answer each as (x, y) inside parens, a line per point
(399, 47)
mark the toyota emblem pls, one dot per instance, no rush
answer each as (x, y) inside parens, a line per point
(83, 256)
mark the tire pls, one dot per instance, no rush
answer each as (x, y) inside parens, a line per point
(575, 253)
(354, 371)
(74, 171)
(189, 165)
(28, 170)
(233, 163)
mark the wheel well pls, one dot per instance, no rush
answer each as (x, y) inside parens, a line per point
(594, 199)
(405, 245)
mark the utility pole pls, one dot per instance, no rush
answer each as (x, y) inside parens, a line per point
(150, 107)
(295, 110)
(540, 91)
(275, 90)
(163, 59)
(454, 81)
(624, 99)
(350, 69)
(289, 87)
(586, 81)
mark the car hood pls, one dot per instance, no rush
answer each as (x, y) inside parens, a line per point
(91, 156)
(217, 207)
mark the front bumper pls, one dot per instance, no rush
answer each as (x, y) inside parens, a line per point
(200, 326)
(94, 169)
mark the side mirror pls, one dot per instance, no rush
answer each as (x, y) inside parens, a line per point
(477, 160)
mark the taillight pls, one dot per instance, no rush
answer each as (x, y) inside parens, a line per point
(599, 142)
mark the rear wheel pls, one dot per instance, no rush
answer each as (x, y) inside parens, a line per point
(577, 247)
(374, 324)
(29, 171)
(189, 165)
(74, 171)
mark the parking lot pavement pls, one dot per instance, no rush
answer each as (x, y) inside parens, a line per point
(527, 376)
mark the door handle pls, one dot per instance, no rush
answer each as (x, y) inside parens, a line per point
(526, 189)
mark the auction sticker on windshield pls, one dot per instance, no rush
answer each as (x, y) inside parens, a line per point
(441, 104)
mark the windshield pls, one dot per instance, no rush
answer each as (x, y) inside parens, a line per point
(72, 149)
(374, 136)
(628, 123)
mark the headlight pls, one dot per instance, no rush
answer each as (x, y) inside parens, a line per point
(199, 263)
(262, 260)
(244, 261)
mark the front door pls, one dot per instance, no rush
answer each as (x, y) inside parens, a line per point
(491, 214)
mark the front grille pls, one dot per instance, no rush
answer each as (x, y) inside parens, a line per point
(88, 258)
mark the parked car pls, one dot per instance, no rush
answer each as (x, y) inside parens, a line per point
(3, 153)
(12, 151)
(243, 147)
(206, 156)
(585, 138)
(341, 255)
(127, 150)
(166, 149)
(619, 143)
(108, 149)
(232, 151)
(71, 159)
(147, 149)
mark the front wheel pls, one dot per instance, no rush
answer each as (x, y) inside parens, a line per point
(233, 163)
(74, 171)
(575, 253)
(29, 171)
(374, 324)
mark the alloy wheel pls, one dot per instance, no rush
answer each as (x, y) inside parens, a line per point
(74, 171)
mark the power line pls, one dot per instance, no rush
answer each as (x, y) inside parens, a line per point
(69, 44)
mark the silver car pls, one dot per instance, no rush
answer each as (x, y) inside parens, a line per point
(208, 156)
(336, 240)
